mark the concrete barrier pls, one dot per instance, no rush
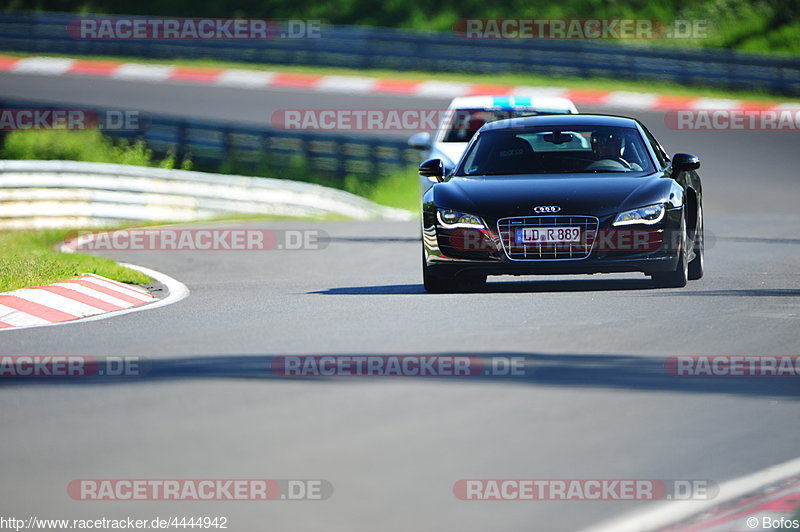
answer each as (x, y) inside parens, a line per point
(55, 194)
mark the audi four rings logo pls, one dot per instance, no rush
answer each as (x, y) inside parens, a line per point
(546, 208)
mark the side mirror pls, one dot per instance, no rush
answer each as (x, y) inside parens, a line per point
(684, 162)
(433, 169)
(420, 141)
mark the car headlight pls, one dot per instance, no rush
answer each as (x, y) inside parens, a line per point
(454, 219)
(652, 214)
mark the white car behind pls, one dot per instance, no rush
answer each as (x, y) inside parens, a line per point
(466, 115)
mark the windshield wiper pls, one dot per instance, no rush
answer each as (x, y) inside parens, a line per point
(605, 171)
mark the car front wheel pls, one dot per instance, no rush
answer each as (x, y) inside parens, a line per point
(433, 283)
(678, 277)
(438, 285)
(697, 265)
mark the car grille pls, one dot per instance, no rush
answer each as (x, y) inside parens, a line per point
(548, 251)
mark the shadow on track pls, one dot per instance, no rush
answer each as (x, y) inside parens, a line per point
(758, 240)
(582, 285)
(626, 372)
(745, 292)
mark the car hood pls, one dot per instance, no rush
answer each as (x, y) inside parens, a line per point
(598, 195)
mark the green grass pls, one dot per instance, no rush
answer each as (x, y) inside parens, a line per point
(489, 79)
(29, 258)
(756, 25)
(759, 26)
(399, 189)
(85, 145)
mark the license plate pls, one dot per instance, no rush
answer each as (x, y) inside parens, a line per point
(545, 235)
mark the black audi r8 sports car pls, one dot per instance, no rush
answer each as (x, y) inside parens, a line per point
(562, 194)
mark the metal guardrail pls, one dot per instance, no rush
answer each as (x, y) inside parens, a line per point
(397, 49)
(43, 194)
(213, 145)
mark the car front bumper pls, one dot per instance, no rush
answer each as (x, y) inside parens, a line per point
(454, 253)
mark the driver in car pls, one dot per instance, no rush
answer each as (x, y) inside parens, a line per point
(609, 150)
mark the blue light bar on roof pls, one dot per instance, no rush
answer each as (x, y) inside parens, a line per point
(510, 102)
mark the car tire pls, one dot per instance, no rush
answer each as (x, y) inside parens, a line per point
(472, 283)
(678, 277)
(435, 284)
(697, 265)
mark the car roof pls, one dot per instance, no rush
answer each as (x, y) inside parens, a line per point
(509, 103)
(561, 120)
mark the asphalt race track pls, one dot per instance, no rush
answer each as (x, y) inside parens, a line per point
(742, 171)
(596, 402)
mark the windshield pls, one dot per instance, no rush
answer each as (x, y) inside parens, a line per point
(549, 150)
(462, 124)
